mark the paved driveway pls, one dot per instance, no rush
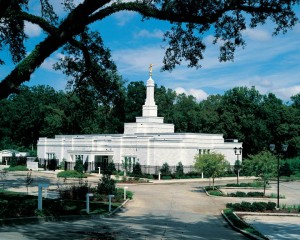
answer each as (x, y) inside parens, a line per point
(175, 211)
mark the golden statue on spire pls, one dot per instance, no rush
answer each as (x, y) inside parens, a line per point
(150, 69)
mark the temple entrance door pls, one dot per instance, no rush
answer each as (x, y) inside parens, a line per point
(102, 162)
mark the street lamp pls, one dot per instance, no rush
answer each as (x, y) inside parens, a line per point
(237, 165)
(272, 149)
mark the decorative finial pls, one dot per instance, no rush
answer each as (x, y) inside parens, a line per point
(150, 69)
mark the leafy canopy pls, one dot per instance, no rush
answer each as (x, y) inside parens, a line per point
(190, 20)
(213, 165)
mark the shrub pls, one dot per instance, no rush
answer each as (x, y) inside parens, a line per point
(255, 184)
(110, 168)
(17, 168)
(251, 207)
(79, 166)
(165, 169)
(271, 206)
(166, 177)
(106, 185)
(179, 170)
(137, 171)
(246, 206)
(255, 194)
(75, 192)
(241, 194)
(259, 206)
(71, 174)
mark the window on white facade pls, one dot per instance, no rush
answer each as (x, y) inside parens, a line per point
(51, 155)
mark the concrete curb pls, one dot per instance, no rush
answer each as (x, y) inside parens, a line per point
(247, 234)
(270, 214)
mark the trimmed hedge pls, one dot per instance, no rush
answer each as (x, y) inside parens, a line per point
(17, 168)
(248, 194)
(255, 184)
(252, 207)
(71, 174)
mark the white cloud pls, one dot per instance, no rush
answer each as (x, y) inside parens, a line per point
(257, 34)
(124, 17)
(260, 81)
(199, 94)
(48, 63)
(32, 30)
(286, 93)
(156, 33)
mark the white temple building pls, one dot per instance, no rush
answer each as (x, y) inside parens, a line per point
(149, 141)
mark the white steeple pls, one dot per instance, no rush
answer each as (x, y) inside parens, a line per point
(150, 109)
(149, 122)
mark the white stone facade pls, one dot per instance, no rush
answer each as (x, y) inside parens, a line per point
(149, 141)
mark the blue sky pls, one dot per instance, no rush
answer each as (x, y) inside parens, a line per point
(269, 63)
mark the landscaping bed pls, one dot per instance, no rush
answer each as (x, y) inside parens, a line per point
(15, 205)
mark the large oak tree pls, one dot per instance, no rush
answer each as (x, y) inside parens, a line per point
(190, 20)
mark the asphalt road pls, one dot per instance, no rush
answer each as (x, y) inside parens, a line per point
(174, 211)
(158, 211)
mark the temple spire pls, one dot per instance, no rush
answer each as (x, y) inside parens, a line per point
(150, 70)
(150, 109)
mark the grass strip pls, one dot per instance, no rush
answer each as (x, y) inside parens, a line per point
(240, 224)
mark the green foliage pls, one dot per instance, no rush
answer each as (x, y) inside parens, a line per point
(137, 171)
(106, 185)
(110, 168)
(237, 222)
(71, 174)
(248, 194)
(213, 165)
(17, 168)
(165, 169)
(255, 184)
(13, 161)
(16, 205)
(75, 192)
(263, 165)
(215, 193)
(179, 170)
(252, 207)
(79, 166)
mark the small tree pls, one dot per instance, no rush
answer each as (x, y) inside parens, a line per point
(262, 165)
(213, 165)
(179, 169)
(165, 169)
(13, 160)
(86, 166)
(137, 171)
(110, 168)
(106, 185)
(28, 179)
(79, 166)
